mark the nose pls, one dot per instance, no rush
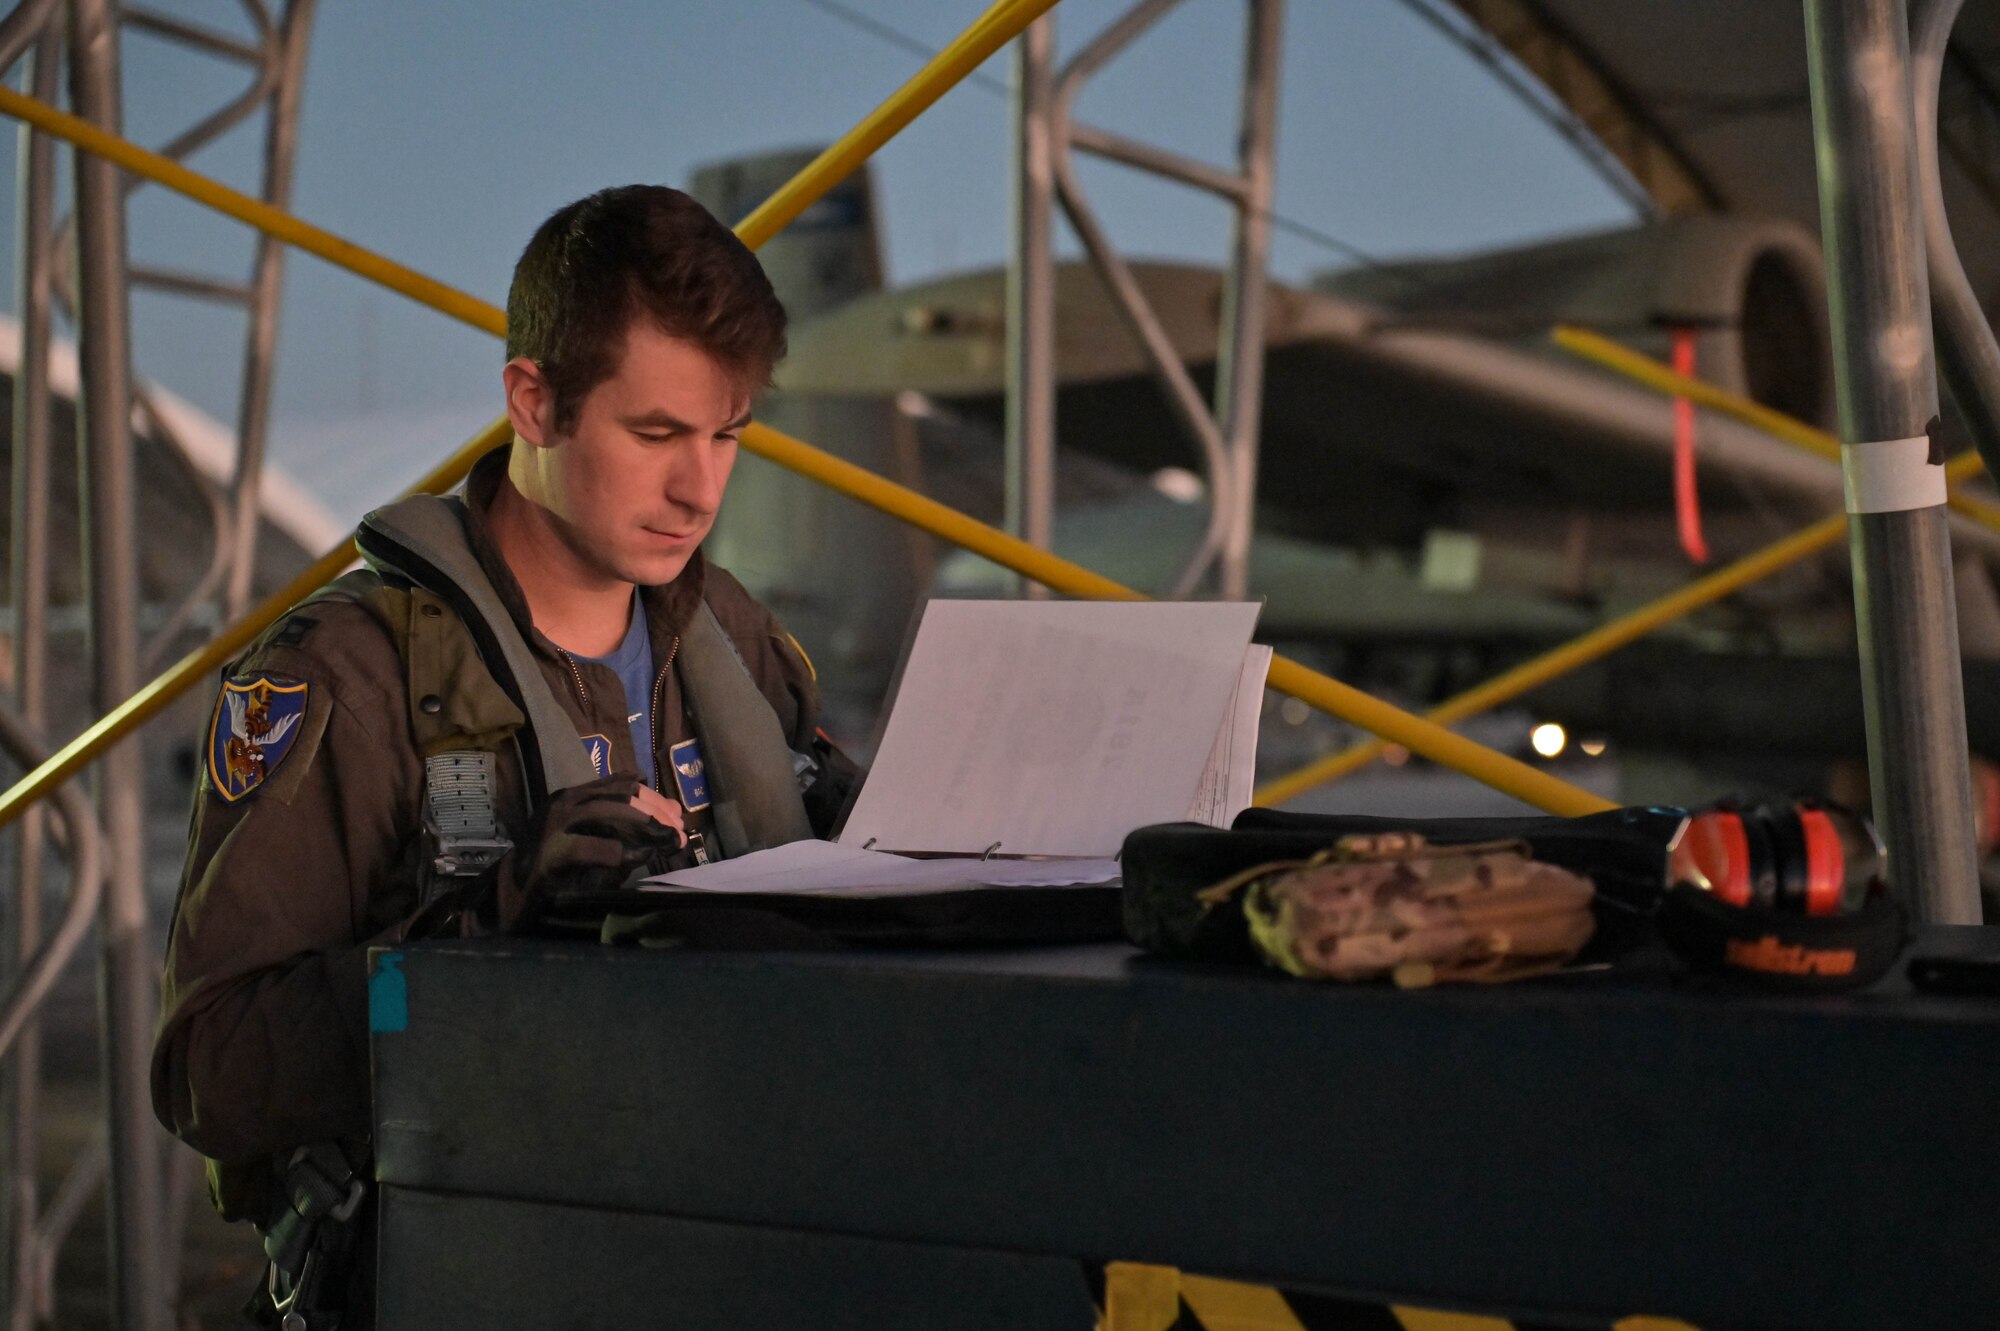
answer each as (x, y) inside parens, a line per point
(697, 482)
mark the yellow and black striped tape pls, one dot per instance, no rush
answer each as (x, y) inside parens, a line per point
(1161, 1298)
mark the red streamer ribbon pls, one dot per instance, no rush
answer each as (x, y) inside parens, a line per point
(1687, 499)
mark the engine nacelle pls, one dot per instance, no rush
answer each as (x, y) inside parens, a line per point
(1751, 290)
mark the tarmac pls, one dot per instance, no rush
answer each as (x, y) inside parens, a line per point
(218, 1263)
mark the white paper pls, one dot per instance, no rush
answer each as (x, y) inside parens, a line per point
(1229, 781)
(1050, 727)
(820, 867)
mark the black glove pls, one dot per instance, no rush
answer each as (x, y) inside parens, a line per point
(588, 838)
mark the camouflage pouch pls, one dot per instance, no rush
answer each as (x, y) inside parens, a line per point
(1392, 904)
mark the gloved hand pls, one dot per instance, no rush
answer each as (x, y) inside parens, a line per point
(588, 838)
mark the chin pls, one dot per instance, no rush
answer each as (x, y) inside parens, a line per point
(655, 571)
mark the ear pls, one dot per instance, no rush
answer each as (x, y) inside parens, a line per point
(531, 403)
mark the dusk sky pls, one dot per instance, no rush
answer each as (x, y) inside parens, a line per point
(441, 133)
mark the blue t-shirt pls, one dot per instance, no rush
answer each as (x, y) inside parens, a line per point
(632, 659)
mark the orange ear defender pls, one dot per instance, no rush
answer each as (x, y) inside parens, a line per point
(1788, 895)
(1803, 858)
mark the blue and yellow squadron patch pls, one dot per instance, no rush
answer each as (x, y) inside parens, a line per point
(256, 722)
(690, 774)
(598, 749)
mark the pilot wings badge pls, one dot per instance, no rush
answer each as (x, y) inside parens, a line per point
(256, 722)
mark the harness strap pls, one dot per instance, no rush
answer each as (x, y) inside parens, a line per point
(756, 803)
(755, 778)
(423, 539)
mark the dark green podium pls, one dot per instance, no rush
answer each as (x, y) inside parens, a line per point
(573, 1136)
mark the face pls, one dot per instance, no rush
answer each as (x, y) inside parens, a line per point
(634, 486)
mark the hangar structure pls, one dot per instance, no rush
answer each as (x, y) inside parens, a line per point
(1705, 112)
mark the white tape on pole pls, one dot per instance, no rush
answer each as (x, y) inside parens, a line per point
(1891, 476)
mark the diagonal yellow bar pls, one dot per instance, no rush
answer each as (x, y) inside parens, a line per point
(972, 47)
(998, 25)
(989, 32)
(1392, 723)
(1596, 644)
(1622, 360)
(272, 221)
(1607, 638)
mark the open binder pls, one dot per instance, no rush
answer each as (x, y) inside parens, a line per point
(1026, 740)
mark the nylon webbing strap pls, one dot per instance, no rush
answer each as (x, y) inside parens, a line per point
(432, 530)
(459, 799)
(756, 798)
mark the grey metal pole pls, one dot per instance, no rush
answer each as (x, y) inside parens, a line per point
(21, 27)
(254, 414)
(127, 990)
(1183, 397)
(1239, 370)
(1031, 301)
(1913, 692)
(30, 595)
(25, 989)
(1967, 353)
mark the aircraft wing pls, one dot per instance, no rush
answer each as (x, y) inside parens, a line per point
(1372, 423)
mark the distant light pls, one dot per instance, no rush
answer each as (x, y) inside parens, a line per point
(1179, 484)
(914, 404)
(1593, 747)
(1548, 739)
(1294, 711)
(1395, 755)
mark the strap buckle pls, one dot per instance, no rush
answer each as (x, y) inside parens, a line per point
(467, 857)
(459, 813)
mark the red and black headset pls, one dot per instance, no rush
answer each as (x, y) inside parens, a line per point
(1788, 895)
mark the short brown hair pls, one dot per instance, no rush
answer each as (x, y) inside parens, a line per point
(597, 265)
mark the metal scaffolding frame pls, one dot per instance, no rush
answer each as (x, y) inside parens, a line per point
(1968, 357)
(1970, 360)
(30, 596)
(108, 863)
(1885, 376)
(1031, 300)
(1226, 431)
(108, 482)
(1880, 284)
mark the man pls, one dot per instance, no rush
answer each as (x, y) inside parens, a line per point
(538, 691)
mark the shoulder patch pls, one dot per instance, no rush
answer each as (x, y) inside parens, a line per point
(598, 749)
(255, 725)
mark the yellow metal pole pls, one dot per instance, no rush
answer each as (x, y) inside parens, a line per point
(1594, 645)
(255, 212)
(1622, 360)
(1420, 736)
(992, 30)
(1607, 638)
(201, 664)
(996, 27)
(1433, 741)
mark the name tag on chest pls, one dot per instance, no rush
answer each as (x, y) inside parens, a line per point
(690, 775)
